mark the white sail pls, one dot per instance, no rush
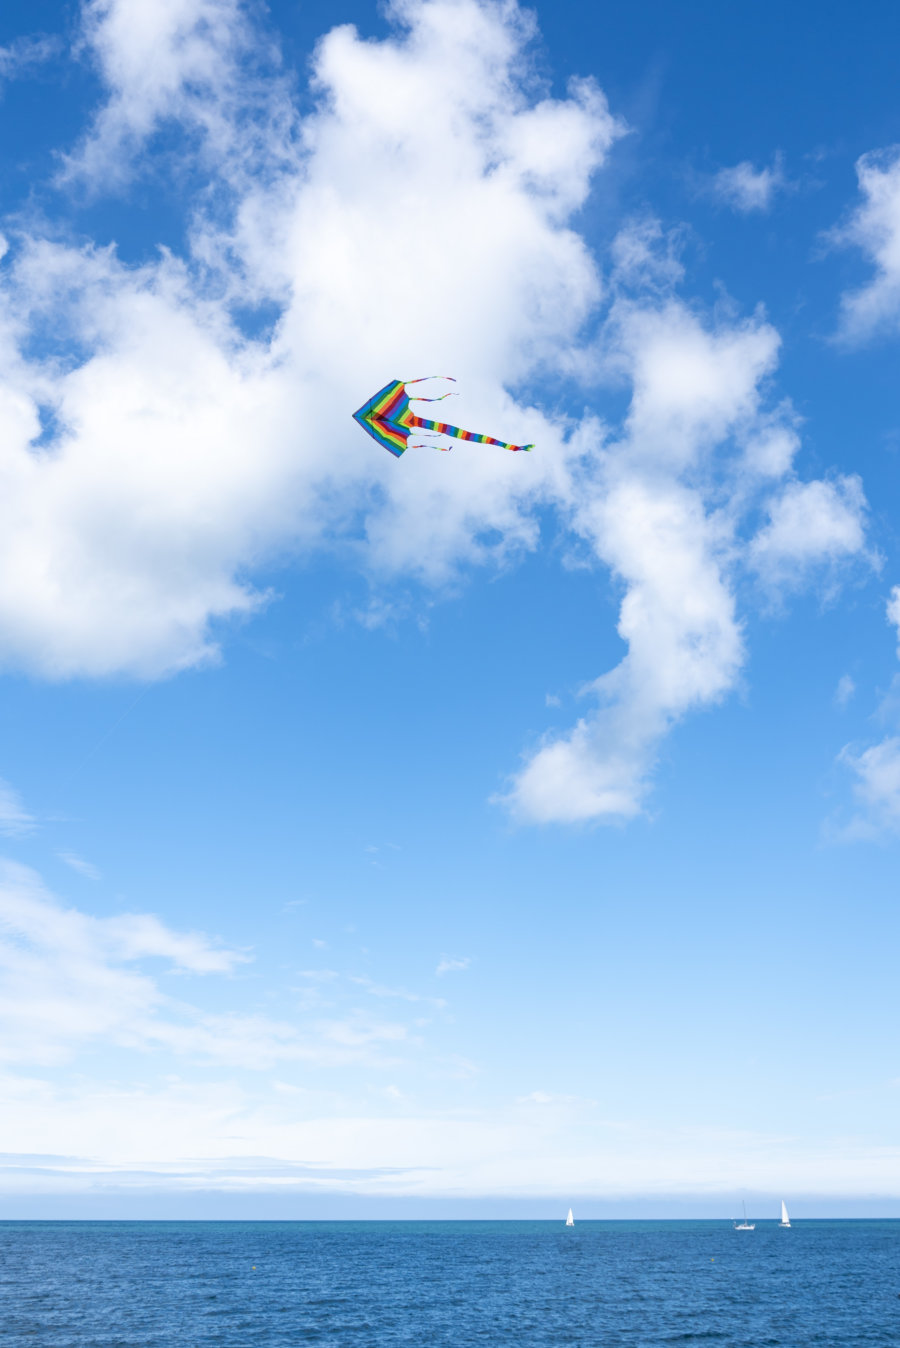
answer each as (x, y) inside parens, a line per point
(570, 1220)
(785, 1219)
(745, 1225)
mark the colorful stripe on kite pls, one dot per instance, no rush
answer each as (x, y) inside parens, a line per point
(388, 418)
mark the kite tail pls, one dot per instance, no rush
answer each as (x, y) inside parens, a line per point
(457, 433)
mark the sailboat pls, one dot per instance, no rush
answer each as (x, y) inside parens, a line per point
(745, 1225)
(570, 1220)
(785, 1219)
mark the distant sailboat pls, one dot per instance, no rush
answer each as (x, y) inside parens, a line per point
(570, 1220)
(785, 1219)
(745, 1225)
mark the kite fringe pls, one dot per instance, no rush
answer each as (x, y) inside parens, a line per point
(424, 380)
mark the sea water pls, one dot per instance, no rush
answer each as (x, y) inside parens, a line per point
(190, 1284)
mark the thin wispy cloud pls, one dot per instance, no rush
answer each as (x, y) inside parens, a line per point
(545, 1098)
(448, 965)
(375, 989)
(77, 863)
(69, 980)
(15, 820)
(846, 687)
(23, 54)
(112, 1133)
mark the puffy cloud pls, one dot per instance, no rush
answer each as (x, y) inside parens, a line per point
(770, 449)
(645, 256)
(685, 649)
(877, 785)
(811, 523)
(874, 226)
(746, 188)
(147, 472)
(893, 612)
(193, 64)
(647, 518)
(692, 385)
(152, 467)
(665, 507)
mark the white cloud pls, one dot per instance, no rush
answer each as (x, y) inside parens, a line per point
(402, 994)
(194, 64)
(893, 612)
(647, 518)
(846, 687)
(746, 188)
(666, 506)
(14, 818)
(190, 1135)
(770, 447)
(877, 768)
(66, 977)
(644, 255)
(685, 649)
(69, 981)
(23, 53)
(181, 454)
(810, 523)
(877, 786)
(177, 454)
(140, 935)
(874, 227)
(448, 965)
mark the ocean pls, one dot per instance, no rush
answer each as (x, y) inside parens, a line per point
(522, 1283)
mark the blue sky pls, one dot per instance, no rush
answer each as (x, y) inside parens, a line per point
(467, 832)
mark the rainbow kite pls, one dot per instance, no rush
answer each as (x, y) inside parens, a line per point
(388, 419)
